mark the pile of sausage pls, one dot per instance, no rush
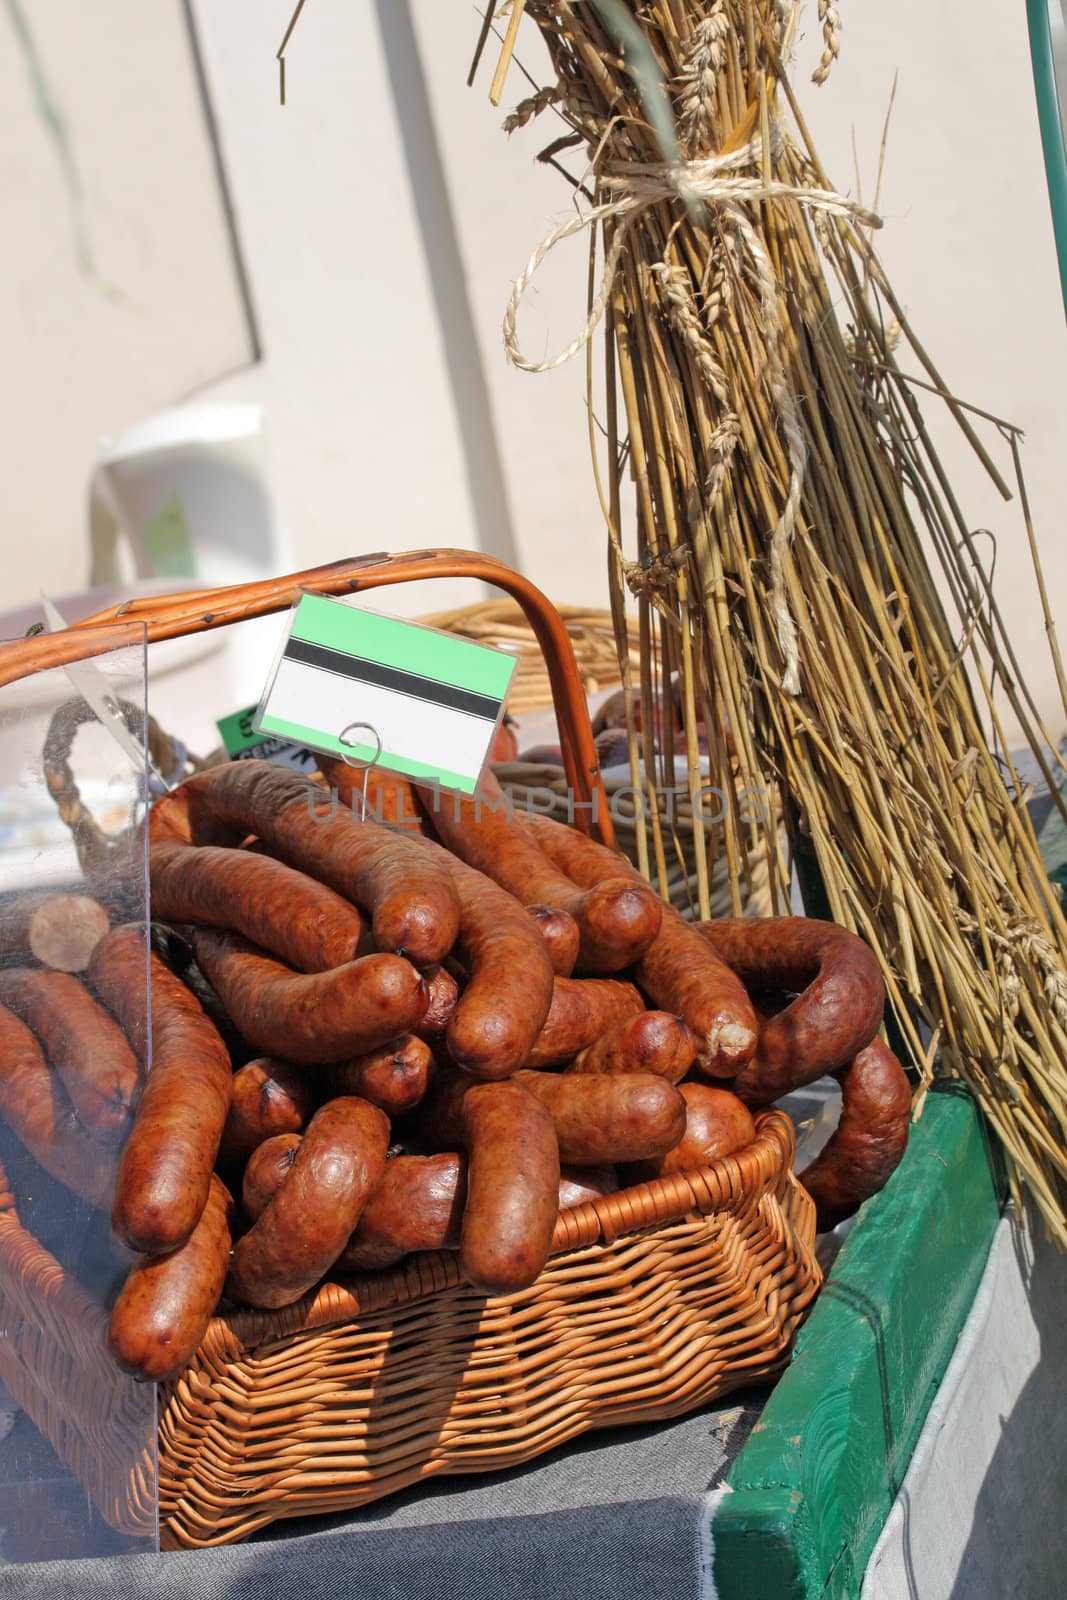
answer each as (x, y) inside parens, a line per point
(385, 1021)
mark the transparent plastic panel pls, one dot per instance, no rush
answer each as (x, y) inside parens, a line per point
(78, 1469)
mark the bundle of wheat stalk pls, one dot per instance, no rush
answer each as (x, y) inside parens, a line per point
(770, 473)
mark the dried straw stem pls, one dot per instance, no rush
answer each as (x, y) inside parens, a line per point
(787, 506)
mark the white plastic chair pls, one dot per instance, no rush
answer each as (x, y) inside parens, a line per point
(184, 495)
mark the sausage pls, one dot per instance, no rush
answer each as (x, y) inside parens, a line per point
(320, 1017)
(417, 1205)
(35, 1107)
(678, 977)
(299, 920)
(84, 1044)
(387, 795)
(413, 906)
(364, 1256)
(165, 1171)
(617, 917)
(509, 987)
(581, 1010)
(267, 1169)
(578, 1184)
(512, 1187)
(58, 930)
(175, 952)
(162, 1312)
(675, 970)
(442, 993)
(267, 1097)
(394, 1077)
(513, 1153)
(181, 818)
(608, 1119)
(307, 1222)
(653, 1041)
(837, 1014)
(870, 1139)
(561, 934)
(716, 1124)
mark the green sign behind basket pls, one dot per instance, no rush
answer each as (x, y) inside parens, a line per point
(347, 679)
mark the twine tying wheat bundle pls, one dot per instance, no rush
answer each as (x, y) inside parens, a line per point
(716, 182)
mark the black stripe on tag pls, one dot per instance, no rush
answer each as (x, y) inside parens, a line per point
(395, 678)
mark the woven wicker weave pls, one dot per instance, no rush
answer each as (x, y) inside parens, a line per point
(355, 1393)
(659, 1299)
(502, 624)
(54, 1362)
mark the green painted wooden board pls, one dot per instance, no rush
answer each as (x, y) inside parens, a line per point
(1044, 29)
(815, 1482)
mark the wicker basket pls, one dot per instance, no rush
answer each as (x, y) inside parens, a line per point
(54, 1362)
(656, 1299)
(503, 624)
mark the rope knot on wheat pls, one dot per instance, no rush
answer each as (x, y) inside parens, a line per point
(718, 190)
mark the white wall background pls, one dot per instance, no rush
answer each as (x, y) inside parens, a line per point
(117, 294)
(383, 216)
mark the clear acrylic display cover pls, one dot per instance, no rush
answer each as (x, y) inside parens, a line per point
(77, 1437)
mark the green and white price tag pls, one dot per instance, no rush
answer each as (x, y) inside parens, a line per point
(242, 743)
(381, 691)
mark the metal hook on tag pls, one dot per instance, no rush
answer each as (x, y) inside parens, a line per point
(361, 766)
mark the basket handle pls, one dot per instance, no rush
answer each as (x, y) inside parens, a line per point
(193, 611)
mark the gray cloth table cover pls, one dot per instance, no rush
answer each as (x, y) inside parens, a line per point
(621, 1515)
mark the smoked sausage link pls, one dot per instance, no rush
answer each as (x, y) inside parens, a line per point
(675, 970)
(509, 987)
(560, 932)
(617, 917)
(578, 1184)
(296, 918)
(309, 1219)
(678, 977)
(58, 930)
(512, 1187)
(412, 903)
(267, 1169)
(319, 1017)
(716, 1124)
(513, 1176)
(653, 1041)
(84, 1044)
(871, 1137)
(394, 1077)
(35, 1107)
(442, 992)
(268, 1097)
(599, 1119)
(417, 1205)
(165, 1169)
(582, 1010)
(387, 795)
(837, 1012)
(162, 1312)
